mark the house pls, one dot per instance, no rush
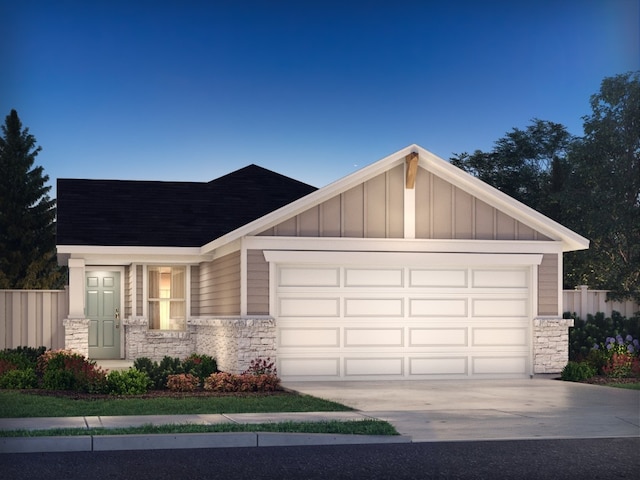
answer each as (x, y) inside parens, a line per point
(406, 269)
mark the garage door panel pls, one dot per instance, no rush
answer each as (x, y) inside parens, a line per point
(499, 365)
(438, 307)
(431, 278)
(308, 277)
(446, 365)
(309, 307)
(507, 337)
(497, 308)
(373, 366)
(370, 337)
(438, 337)
(309, 367)
(373, 307)
(500, 279)
(369, 277)
(309, 337)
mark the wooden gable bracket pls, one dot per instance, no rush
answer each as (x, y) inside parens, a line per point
(412, 170)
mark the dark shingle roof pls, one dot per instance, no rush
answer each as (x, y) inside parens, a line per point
(162, 214)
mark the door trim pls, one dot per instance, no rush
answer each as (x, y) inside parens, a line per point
(121, 270)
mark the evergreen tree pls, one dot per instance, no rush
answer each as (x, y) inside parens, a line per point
(27, 214)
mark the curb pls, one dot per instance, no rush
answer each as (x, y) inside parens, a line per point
(102, 443)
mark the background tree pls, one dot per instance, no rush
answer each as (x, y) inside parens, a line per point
(27, 214)
(602, 198)
(529, 165)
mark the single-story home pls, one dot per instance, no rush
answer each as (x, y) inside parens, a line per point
(409, 268)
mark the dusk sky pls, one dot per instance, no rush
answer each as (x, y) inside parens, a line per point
(191, 90)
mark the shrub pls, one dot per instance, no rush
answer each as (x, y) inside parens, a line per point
(622, 365)
(222, 382)
(7, 366)
(584, 334)
(159, 372)
(128, 382)
(64, 370)
(577, 371)
(22, 357)
(227, 382)
(261, 366)
(183, 382)
(200, 365)
(19, 379)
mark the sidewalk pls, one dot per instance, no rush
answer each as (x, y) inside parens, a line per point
(177, 441)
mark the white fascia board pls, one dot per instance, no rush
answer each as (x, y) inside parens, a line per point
(347, 244)
(402, 258)
(503, 202)
(110, 255)
(312, 199)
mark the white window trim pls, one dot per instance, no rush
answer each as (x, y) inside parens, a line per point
(145, 290)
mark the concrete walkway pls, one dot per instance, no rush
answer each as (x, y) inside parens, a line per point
(421, 411)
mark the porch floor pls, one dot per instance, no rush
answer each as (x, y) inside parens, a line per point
(114, 364)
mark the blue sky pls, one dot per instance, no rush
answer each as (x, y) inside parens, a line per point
(191, 90)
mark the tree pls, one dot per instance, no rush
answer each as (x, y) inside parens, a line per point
(27, 214)
(529, 165)
(602, 198)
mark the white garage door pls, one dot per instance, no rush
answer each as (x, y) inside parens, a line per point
(350, 323)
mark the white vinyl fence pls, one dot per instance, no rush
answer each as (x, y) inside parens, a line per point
(33, 318)
(583, 301)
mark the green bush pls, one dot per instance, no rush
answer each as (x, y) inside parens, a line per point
(198, 365)
(128, 382)
(577, 371)
(22, 357)
(19, 379)
(63, 370)
(596, 329)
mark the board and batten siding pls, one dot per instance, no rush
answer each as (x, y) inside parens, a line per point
(220, 286)
(548, 285)
(257, 283)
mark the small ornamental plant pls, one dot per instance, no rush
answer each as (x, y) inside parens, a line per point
(183, 382)
(618, 357)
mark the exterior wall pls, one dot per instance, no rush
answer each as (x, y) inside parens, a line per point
(548, 287)
(444, 211)
(220, 286)
(128, 285)
(139, 290)
(550, 344)
(233, 342)
(257, 283)
(33, 318)
(373, 209)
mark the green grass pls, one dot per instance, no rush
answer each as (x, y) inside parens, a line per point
(17, 404)
(352, 427)
(628, 386)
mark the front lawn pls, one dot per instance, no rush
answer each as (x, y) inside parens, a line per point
(22, 403)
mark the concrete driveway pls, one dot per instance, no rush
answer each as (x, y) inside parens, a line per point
(441, 410)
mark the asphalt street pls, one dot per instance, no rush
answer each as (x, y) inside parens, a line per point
(604, 458)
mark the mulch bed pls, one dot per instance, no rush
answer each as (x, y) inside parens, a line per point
(152, 394)
(602, 380)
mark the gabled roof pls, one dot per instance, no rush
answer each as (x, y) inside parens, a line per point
(570, 240)
(168, 214)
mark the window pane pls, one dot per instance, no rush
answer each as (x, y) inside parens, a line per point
(178, 283)
(167, 292)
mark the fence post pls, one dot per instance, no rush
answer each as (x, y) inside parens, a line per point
(584, 301)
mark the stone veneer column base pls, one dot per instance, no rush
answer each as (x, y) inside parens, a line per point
(76, 335)
(550, 344)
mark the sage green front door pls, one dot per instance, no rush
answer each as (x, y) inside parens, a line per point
(103, 311)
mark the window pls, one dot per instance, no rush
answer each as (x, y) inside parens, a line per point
(167, 298)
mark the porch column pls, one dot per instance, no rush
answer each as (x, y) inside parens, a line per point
(76, 288)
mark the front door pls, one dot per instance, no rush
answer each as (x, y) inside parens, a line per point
(103, 311)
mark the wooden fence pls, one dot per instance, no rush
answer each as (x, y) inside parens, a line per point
(33, 318)
(583, 301)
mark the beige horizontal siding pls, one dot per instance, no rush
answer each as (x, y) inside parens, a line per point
(220, 286)
(548, 287)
